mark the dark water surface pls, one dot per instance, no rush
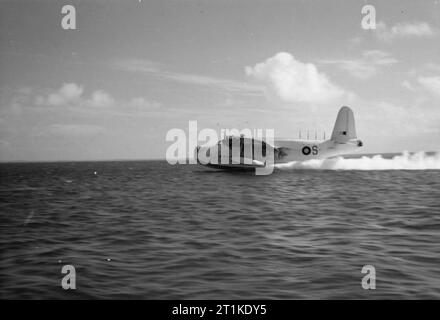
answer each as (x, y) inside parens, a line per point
(152, 231)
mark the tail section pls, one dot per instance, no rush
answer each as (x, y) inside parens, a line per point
(344, 128)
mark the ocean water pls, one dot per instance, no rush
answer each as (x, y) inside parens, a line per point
(149, 230)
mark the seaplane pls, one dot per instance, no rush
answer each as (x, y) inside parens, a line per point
(247, 153)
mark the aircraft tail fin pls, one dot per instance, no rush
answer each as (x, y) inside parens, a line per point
(344, 128)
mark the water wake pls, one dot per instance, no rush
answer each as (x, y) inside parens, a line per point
(405, 161)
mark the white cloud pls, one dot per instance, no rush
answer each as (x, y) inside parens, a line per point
(404, 30)
(367, 66)
(69, 92)
(70, 95)
(155, 69)
(226, 84)
(379, 57)
(294, 81)
(420, 29)
(432, 84)
(100, 99)
(396, 121)
(407, 85)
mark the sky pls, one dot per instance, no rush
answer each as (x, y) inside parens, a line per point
(133, 70)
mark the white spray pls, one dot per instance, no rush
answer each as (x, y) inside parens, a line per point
(405, 161)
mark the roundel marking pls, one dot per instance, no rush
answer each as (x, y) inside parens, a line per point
(306, 150)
